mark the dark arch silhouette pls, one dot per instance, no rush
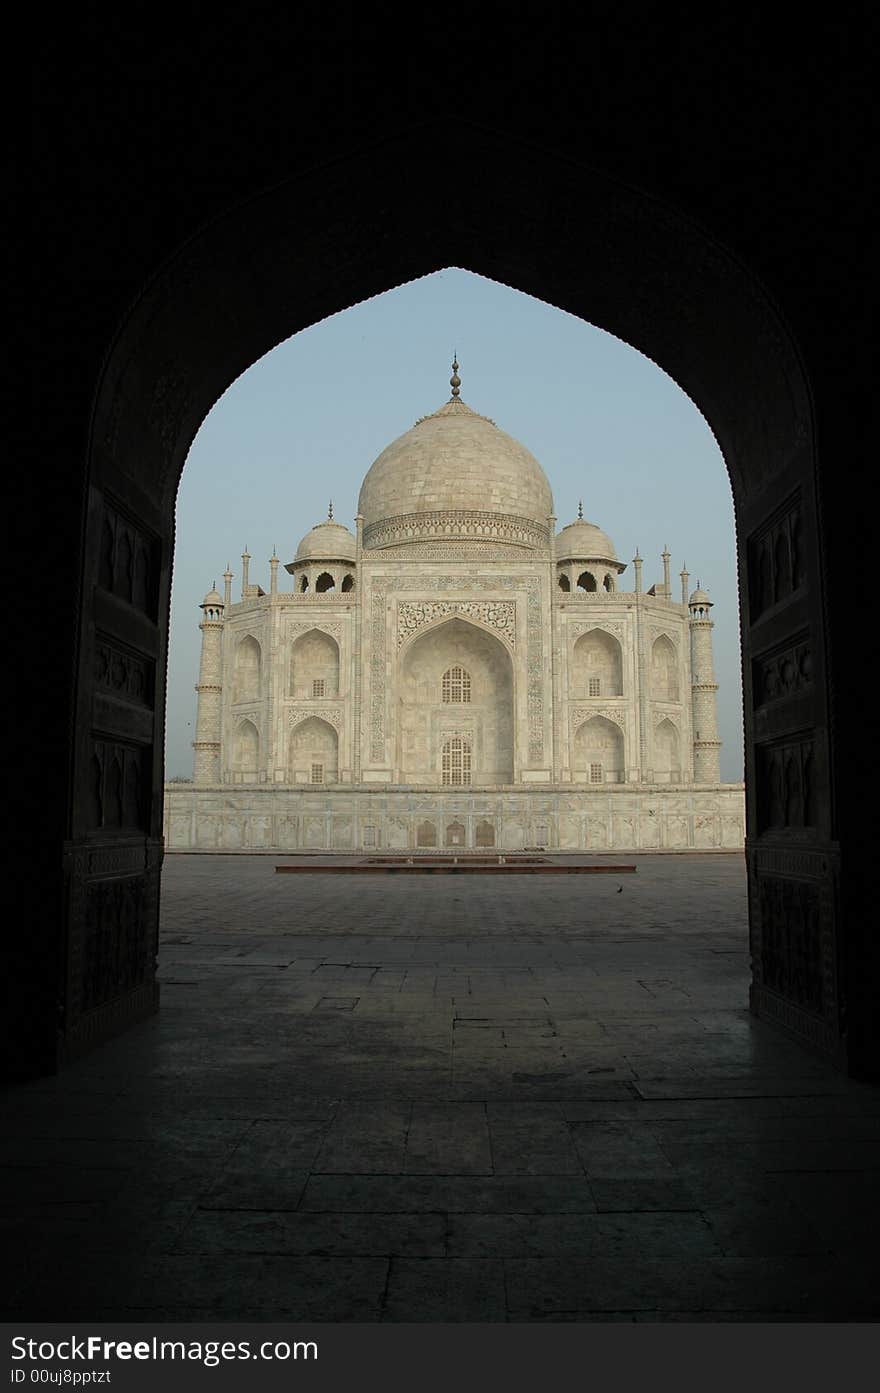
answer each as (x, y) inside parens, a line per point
(621, 259)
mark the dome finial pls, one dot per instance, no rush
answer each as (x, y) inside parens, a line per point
(580, 510)
(455, 380)
(330, 511)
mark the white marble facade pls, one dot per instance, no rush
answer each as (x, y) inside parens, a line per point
(456, 673)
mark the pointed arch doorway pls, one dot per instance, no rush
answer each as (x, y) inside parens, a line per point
(633, 267)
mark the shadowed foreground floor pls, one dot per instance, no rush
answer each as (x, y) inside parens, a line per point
(446, 1099)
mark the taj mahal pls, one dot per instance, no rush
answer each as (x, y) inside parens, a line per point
(456, 673)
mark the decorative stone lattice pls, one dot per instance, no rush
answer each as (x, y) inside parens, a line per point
(473, 581)
(297, 714)
(252, 716)
(497, 614)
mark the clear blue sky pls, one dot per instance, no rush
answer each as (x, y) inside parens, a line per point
(304, 424)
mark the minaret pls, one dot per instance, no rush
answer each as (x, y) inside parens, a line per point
(704, 691)
(637, 567)
(206, 769)
(667, 588)
(685, 577)
(227, 586)
(245, 563)
(273, 582)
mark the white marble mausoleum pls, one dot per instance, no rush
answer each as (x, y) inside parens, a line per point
(456, 673)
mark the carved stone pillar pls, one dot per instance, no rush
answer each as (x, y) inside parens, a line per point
(113, 857)
(793, 859)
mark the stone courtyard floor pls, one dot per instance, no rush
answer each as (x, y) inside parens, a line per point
(446, 1099)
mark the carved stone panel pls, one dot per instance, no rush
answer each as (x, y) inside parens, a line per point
(786, 784)
(128, 560)
(606, 626)
(333, 715)
(324, 626)
(117, 954)
(118, 785)
(616, 714)
(783, 673)
(123, 672)
(497, 614)
(776, 558)
(791, 952)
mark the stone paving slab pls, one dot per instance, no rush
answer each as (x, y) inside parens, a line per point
(502, 1100)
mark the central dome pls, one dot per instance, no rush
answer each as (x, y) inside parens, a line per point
(455, 476)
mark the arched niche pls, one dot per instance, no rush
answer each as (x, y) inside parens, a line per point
(426, 834)
(427, 719)
(667, 754)
(324, 583)
(598, 752)
(314, 752)
(314, 666)
(563, 582)
(587, 581)
(484, 833)
(245, 751)
(246, 676)
(347, 584)
(664, 670)
(596, 665)
(455, 834)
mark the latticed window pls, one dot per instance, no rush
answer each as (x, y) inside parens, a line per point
(317, 773)
(594, 685)
(456, 685)
(456, 761)
(318, 687)
(596, 774)
(369, 836)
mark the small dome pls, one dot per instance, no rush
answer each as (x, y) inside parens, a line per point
(328, 541)
(584, 541)
(452, 474)
(212, 600)
(699, 597)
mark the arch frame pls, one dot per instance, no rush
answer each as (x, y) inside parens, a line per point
(300, 719)
(469, 711)
(629, 263)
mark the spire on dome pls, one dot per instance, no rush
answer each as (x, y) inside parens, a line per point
(330, 511)
(455, 380)
(580, 509)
